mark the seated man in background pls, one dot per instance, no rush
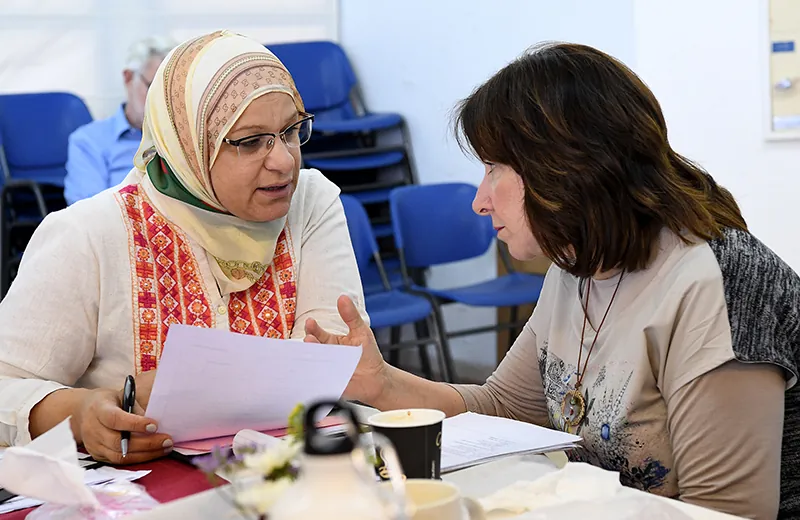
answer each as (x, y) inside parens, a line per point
(101, 153)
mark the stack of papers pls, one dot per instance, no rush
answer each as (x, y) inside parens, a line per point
(329, 425)
(470, 439)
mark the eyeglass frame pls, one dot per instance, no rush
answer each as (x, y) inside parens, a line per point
(144, 80)
(305, 116)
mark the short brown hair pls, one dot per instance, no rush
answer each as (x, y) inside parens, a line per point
(590, 142)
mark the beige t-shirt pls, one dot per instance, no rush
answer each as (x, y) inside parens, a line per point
(634, 368)
(645, 416)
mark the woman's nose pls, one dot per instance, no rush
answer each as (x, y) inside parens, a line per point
(279, 158)
(482, 203)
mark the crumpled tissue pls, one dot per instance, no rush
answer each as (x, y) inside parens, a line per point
(47, 469)
(576, 490)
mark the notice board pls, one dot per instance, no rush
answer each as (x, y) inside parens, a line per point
(784, 69)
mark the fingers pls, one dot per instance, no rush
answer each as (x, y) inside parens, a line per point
(349, 313)
(132, 458)
(319, 334)
(311, 339)
(105, 445)
(141, 448)
(110, 442)
(114, 418)
(101, 423)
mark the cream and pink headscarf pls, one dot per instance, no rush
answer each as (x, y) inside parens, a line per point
(200, 90)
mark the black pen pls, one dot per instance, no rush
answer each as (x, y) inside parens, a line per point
(128, 399)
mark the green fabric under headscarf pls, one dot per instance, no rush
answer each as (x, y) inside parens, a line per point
(165, 181)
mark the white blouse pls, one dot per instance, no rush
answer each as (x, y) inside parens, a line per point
(73, 316)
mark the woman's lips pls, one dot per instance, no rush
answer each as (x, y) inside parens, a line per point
(276, 191)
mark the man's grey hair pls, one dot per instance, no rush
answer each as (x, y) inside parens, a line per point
(146, 48)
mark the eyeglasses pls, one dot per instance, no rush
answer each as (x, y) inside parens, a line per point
(144, 81)
(258, 146)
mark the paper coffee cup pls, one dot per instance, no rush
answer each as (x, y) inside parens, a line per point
(416, 434)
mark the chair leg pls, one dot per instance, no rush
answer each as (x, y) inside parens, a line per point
(512, 333)
(394, 339)
(449, 370)
(441, 354)
(421, 329)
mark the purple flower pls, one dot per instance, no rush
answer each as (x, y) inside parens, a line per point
(206, 463)
(218, 458)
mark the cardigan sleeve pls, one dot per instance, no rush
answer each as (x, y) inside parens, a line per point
(327, 263)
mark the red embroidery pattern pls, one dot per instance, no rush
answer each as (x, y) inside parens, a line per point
(167, 286)
(262, 310)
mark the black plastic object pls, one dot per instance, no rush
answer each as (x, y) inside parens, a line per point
(319, 443)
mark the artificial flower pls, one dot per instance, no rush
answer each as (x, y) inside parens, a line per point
(274, 458)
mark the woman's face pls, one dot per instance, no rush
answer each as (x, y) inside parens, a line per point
(259, 189)
(501, 196)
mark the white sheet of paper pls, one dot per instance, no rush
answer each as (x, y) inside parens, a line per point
(470, 438)
(212, 383)
(248, 438)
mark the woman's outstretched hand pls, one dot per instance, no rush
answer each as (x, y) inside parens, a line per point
(371, 375)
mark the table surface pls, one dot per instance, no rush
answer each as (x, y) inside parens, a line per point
(186, 492)
(170, 479)
(476, 482)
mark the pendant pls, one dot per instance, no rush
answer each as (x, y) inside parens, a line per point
(573, 407)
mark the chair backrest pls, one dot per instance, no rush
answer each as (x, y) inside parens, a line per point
(323, 76)
(35, 129)
(434, 224)
(364, 244)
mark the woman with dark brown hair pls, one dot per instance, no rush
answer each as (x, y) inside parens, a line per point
(665, 334)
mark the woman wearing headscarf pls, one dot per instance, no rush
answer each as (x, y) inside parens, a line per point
(216, 226)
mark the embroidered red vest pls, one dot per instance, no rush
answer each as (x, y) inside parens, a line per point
(167, 285)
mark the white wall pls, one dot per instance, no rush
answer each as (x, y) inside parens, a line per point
(706, 63)
(420, 57)
(80, 46)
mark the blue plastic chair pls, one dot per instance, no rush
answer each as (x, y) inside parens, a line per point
(326, 81)
(389, 307)
(34, 132)
(328, 85)
(373, 280)
(35, 129)
(433, 225)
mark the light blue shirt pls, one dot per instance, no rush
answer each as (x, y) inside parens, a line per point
(100, 155)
